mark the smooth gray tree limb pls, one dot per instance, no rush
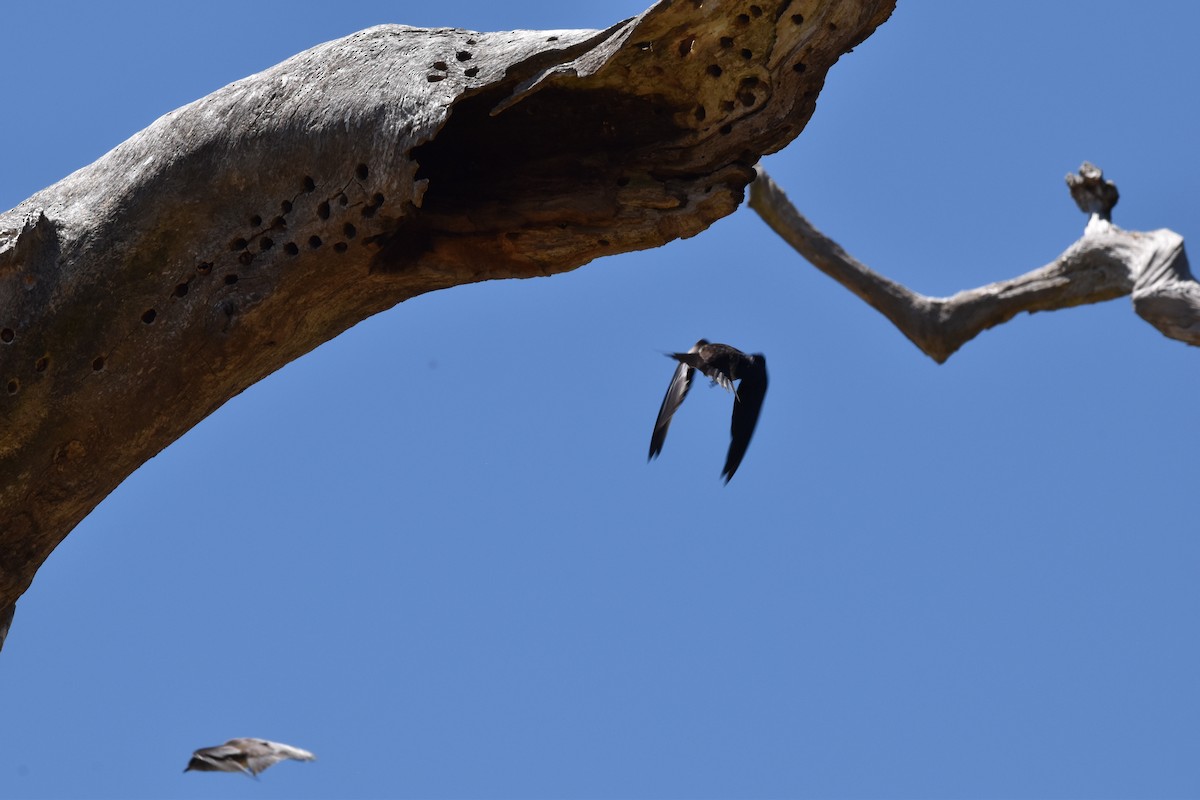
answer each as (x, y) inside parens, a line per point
(243, 230)
(1106, 263)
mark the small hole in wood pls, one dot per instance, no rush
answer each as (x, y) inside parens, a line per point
(339, 247)
(755, 11)
(441, 66)
(434, 77)
(742, 19)
(97, 363)
(323, 210)
(204, 267)
(149, 315)
(286, 206)
(602, 242)
(349, 230)
(14, 386)
(291, 249)
(463, 55)
(747, 53)
(309, 184)
(245, 258)
(726, 42)
(314, 242)
(726, 129)
(361, 172)
(471, 72)
(799, 66)
(342, 199)
(231, 279)
(41, 364)
(7, 335)
(266, 243)
(699, 113)
(255, 221)
(181, 289)
(685, 45)
(833, 26)
(238, 244)
(798, 19)
(714, 70)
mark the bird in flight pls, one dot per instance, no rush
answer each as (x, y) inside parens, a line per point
(724, 365)
(248, 756)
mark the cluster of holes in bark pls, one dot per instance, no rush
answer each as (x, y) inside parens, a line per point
(8, 336)
(746, 92)
(241, 245)
(744, 19)
(727, 43)
(245, 257)
(324, 210)
(441, 69)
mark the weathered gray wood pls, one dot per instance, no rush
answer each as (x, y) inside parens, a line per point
(241, 231)
(1104, 264)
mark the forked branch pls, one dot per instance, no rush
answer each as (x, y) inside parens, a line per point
(1105, 263)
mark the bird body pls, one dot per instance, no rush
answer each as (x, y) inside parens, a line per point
(248, 756)
(724, 365)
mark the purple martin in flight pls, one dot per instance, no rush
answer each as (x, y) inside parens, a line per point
(724, 365)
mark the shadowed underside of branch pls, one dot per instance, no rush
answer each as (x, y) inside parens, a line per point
(1104, 264)
(241, 231)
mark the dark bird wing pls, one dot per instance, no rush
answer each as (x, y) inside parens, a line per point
(681, 381)
(6, 618)
(222, 758)
(747, 404)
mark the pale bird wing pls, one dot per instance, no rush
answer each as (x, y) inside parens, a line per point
(681, 381)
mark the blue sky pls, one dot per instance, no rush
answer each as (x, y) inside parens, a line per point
(450, 578)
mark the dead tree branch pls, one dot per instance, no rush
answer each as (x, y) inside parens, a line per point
(241, 231)
(1105, 263)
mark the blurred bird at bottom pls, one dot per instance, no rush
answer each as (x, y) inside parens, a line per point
(247, 756)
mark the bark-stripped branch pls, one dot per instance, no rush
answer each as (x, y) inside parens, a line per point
(1107, 262)
(241, 231)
